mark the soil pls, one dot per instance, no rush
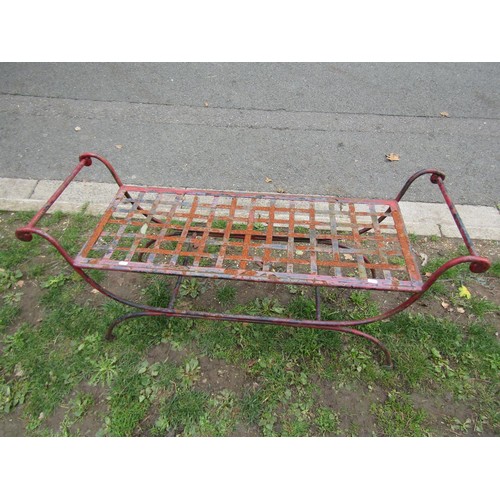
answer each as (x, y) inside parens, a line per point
(351, 403)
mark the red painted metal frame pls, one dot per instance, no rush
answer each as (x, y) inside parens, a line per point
(477, 265)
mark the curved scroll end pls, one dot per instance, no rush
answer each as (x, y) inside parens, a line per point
(87, 157)
(24, 234)
(436, 175)
(480, 266)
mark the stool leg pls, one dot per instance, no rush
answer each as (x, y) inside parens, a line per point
(388, 359)
(109, 332)
(318, 303)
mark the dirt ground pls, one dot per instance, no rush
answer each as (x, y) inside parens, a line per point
(216, 375)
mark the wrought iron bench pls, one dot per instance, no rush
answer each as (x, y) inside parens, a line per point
(321, 241)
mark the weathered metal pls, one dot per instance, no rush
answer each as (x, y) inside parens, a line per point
(259, 237)
(293, 239)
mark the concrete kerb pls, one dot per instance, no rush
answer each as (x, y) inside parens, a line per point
(423, 219)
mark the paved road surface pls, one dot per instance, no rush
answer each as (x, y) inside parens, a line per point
(313, 128)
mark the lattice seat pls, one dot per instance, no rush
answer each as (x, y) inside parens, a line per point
(280, 238)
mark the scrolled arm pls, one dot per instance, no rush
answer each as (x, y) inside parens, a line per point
(25, 233)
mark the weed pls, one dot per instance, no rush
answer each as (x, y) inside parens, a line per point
(157, 292)
(12, 394)
(219, 224)
(481, 306)
(295, 290)
(184, 409)
(359, 298)
(12, 298)
(302, 307)
(191, 372)
(258, 226)
(441, 365)
(267, 422)
(457, 426)
(9, 279)
(55, 281)
(398, 261)
(413, 238)
(397, 417)
(327, 422)
(358, 360)
(79, 406)
(105, 370)
(267, 306)
(494, 270)
(8, 314)
(190, 288)
(226, 294)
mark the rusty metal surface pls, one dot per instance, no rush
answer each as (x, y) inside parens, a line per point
(279, 238)
(311, 240)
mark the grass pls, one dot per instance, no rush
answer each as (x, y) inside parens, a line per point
(201, 378)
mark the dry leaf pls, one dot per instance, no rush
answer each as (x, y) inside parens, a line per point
(299, 252)
(144, 229)
(205, 104)
(20, 283)
(94, 291)
(445, 305)
(348, 256)
(460, 310)
(118, 146)
(445, 114)
(392, 157)
(268, 180)
(77, 129)
(428, 274)
(424, 258)
(280, 190)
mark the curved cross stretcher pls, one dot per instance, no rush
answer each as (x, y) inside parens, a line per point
(259, 237)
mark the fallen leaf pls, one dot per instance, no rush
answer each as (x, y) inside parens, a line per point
(143, 229)
(118, 146)
(392, 157)
(348, 256)
(445, 114)
(20, 283)
(428, 274)
(77, 129)
(463, 291)
(460, 310)
(445, 305)
(251, 363)
(424, 258)
(205, 104)
(268, 180)
(94, 291)
(299, 252)
(280, 190)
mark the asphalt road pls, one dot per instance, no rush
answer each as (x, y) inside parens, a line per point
(311, 128)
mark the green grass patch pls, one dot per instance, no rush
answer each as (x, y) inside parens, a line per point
(398, 417)
(167, 377)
